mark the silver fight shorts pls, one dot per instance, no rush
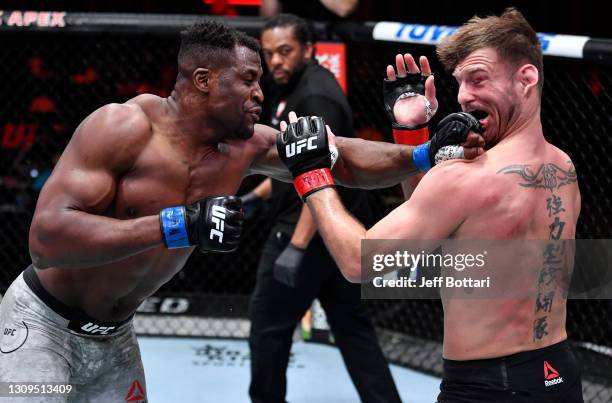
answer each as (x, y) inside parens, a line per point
(45, 343)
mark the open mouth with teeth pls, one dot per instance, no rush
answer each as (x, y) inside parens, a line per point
(480, 115)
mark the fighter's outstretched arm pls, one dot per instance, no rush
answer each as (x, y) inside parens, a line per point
(427, 215)
(362, 163)
(69, 227)
(372, 164)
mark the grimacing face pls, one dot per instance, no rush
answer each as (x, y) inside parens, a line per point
(238, 96)
(488, 89)
(283, 53)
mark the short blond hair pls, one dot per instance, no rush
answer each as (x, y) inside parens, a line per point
(509, 34)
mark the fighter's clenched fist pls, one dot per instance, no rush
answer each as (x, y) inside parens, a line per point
(213, 224)
(303, 147)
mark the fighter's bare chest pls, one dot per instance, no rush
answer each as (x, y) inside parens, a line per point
(159, 181)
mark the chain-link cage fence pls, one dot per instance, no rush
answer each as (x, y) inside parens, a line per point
(52, 80)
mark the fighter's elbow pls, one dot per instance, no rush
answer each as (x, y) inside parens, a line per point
(41, 255)
(352, 273)
(41, 250)
(41, 259)
(352, 279)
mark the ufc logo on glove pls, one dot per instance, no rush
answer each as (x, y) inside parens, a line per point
(304, 149)
(213, 224)
(218, 218)
(290, 149)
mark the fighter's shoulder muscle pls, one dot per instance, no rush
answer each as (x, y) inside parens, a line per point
(563, 158)
(451, 184)
(267, 132)
(265, 157)
(113, 135)
(450, 173)
(265, 136)
(565, 162)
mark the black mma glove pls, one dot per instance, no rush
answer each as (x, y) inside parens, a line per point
(452, 130)
(412, 84)
(213, 224)
(287, 266)
(304, 149)
(250, 203)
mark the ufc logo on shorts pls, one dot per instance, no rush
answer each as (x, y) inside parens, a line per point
(92, 328)
(218, 218)
(9, 331)
(290, 149)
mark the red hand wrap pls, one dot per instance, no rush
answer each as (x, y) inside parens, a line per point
(314, 180)
(411, 137)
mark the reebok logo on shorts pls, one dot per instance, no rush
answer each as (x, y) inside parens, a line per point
(551, 375)
(135, 394)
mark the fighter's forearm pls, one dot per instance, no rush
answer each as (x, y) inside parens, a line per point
(362, 164)
(76, 239)
(305, 229)
(372, 164)
(341, 232)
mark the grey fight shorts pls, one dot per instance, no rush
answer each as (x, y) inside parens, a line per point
(44, 342)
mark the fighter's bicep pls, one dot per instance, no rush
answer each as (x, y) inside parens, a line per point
(103, 148)
(80, 188)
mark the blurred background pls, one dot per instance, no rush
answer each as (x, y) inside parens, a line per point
(562, 16)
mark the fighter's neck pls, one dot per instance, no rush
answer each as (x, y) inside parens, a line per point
(192, 123)
(529, 130)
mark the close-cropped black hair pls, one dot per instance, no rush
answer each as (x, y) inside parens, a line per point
(302, 29)
(211, 41)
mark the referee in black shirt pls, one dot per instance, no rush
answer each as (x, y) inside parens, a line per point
(295, 266)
